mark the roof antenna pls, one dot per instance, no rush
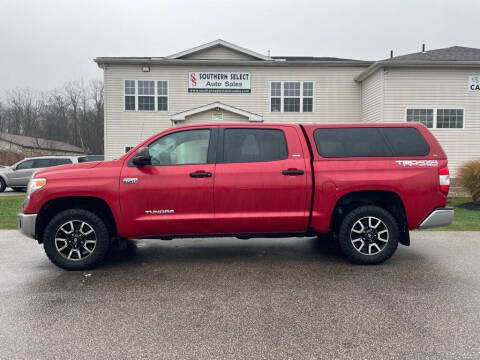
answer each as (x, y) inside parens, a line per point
(423, 48)
(391, 54)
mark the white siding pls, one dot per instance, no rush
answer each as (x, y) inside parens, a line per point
(372, 97)
(437, 88)
(217, 53)
(337, 98)
(207, 117)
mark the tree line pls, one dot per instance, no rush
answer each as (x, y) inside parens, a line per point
(72, 114)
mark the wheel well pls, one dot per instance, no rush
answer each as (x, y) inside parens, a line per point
(93, 204)
(388, 200)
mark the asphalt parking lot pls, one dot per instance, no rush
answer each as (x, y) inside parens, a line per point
(228, 298)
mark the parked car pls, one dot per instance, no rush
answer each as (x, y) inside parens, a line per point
(18, 175)
(368, 184)
(92, 158)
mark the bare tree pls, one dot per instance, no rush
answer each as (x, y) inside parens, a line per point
(73, 114)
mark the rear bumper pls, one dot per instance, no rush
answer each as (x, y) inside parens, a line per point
(26, 224)
(438, 217)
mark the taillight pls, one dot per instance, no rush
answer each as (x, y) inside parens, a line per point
(444, 180)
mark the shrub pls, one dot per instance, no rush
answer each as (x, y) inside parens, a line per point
(469, 176)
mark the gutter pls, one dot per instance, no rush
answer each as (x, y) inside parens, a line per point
(102, 61)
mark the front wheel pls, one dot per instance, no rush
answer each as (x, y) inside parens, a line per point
(369, 235)
(76, 239)
(3, 185)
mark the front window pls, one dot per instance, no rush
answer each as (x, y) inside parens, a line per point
(291, 96)
(437, 118)
(181, 148)
(27, 164)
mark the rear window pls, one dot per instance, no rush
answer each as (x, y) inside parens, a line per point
(254, 145)
(43, 163)
(370, 142)
(55, 162)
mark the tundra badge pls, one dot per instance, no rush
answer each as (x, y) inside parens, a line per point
(159, 212)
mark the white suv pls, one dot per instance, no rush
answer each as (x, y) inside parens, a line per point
(18, 175)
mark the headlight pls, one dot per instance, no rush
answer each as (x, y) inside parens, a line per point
(35, 184)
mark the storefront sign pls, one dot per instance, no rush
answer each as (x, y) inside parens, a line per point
(217, 116)
(219, 82)
(474, 83)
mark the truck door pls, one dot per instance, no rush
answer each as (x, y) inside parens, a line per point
(260, 181)
(174, 194)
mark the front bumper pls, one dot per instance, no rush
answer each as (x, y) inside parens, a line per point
(26, 224)
(438, 217)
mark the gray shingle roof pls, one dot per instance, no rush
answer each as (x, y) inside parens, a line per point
(453, 53)
(454, 56)
(38, 143)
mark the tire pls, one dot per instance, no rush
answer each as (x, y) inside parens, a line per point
(86, 245)
(17, 189)
(368, 235)
(3, 185)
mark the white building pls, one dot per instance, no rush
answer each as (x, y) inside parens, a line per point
(222, 82)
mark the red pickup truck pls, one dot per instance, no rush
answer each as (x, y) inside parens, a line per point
(367, 184)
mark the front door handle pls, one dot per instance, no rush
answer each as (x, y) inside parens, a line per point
(199, 174)
(290, 172)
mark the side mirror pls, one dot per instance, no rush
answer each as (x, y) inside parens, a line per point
(143, 157)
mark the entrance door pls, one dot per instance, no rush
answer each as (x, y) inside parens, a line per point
(174, 194)
(260, 182)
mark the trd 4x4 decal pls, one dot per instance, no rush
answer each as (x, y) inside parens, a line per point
(421, 163)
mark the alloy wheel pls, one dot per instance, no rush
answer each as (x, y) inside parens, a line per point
(369, 235)
(75, 240)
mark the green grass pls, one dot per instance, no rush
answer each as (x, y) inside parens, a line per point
(10, 206)
(464, 220)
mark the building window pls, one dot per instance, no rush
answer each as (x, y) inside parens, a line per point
(449, 118)
(424, 116)
(146, 95)
(128, 148)
(307, 96)
(129, 94)
(437, 118)
(162, 95)
(291, 96)
(276, 97)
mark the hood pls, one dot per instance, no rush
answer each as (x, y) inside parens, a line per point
(63, 168)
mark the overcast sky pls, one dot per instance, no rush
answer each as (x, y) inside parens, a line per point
(44, 43)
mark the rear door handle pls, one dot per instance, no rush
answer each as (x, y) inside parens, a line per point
(290, 172)
(199, 174)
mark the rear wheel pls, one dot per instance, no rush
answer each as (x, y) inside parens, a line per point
(369, 235)
(3, 185)
(76, 239)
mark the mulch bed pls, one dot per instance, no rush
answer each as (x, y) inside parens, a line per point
(469, 206)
